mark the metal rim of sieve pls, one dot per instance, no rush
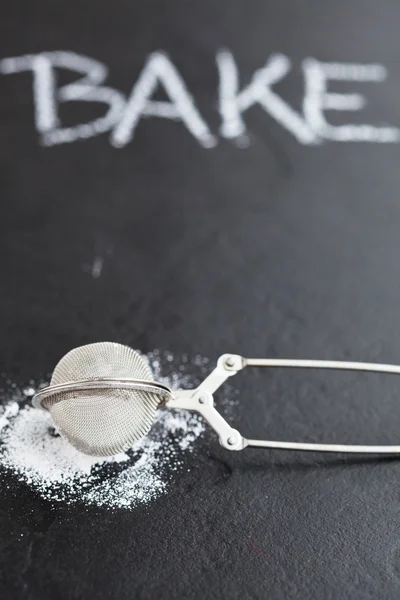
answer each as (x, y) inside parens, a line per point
(101, 384)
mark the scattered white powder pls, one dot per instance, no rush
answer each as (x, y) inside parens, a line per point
(31, 450)
(11, 410)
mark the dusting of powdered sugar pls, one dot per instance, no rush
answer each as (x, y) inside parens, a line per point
(32, 451)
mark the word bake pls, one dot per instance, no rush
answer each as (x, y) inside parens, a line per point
(122, 113)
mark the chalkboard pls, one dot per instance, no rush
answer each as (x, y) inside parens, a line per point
(191, 179)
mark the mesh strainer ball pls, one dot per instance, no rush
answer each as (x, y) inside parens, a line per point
(102, 398)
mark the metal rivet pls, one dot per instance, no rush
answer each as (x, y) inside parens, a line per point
(202, 400)
(231, 441)
(230, 361)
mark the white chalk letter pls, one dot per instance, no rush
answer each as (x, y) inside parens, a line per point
(317, 100)
(232, 102)
(160, 70)
(46, 95)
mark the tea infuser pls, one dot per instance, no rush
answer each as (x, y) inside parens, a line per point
(103, 399)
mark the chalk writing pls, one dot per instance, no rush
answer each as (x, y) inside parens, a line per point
(123, 114)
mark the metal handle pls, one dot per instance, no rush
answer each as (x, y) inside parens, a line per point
(229, 364)
(320, 364)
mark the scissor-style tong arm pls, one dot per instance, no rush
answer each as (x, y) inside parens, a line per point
(201, 400)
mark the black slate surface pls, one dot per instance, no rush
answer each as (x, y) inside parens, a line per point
(275, 249)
